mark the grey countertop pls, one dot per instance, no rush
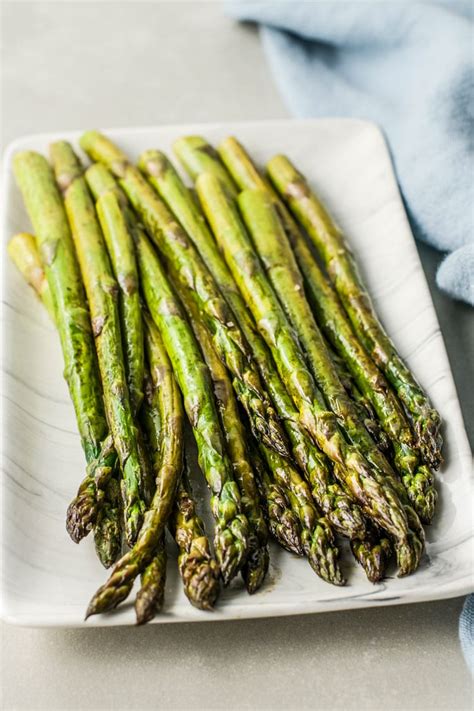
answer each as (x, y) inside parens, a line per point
(82, 64)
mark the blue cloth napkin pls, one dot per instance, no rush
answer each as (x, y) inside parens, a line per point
(466, 632)
(407, 66)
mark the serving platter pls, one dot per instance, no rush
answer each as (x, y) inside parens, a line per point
(46, 579)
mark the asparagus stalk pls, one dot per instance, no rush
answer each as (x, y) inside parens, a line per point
(117, 226)
(282, 522)
(281, 268)
(375, 493)
(231, 534)
(367, 414)
(165, 399)
(108, 527)
(46, 210)
(344, 515)
(373, 554)
(101, 289)
(23, 251)
(417, 479)
(198, 156)
(317, 538)
(151, 596)
(176, 248)
(198, 569)
(120, 247)
(256, 565)
(342, 269)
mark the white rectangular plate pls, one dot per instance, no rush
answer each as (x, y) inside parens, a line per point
(47, 580)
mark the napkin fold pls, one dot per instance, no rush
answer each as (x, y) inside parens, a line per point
(408, 66)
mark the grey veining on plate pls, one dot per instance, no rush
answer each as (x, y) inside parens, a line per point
(47, 580)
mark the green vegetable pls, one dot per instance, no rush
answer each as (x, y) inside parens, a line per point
(23, 251)
(342, 269)
(198, 569)
(108, 527)
(317, 538)
(120, 247)
(284, 525)
(178, 251)
(231, 534)
(46, 210)
(164, 399)
(102, 292)
(374, 492)
(373, 554)
(331, 316)
(151, 595)
(256, 565)
(197, 156)
(343, 513)
(279, 263)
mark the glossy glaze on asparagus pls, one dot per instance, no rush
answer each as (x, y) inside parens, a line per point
(343, 271)
(343, 514)
(374, 492)
(176, 248)
(331, 316)
(102, 295)
(47, 214)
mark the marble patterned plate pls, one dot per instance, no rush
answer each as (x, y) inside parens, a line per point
(47, 580)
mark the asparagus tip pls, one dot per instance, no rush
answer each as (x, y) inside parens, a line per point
(201, 583)
(81, 516)
(255, 568)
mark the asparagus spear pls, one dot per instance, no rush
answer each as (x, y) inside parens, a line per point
(101, 289)
(282, 522)
(256, 565)
(46, 210)
(120, 247)
(418, 479)
(198, 569)
(344, 515)
(164, 399)
(108, 527)
(151, 595)
(317, 538)
(342, 269)
(198, 156)
(375, 493)
(367, 413)
(282, 270)
(176, 248)
(24, 253)
(117, 226)
(372, 553)
(231, 534)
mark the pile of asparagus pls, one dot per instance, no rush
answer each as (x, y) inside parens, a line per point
(234, 309)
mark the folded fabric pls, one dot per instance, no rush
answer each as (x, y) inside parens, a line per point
(466, 631)
(408, 67)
